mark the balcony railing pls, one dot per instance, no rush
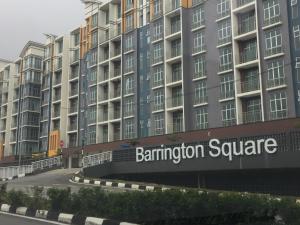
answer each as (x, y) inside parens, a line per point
(243, 2)
(251, 85)
(72, 127)
(56, 97)
(248, 55)
(281, 114)
(175, 52)
(196, 2)
(276, 82)
(198, 48)
(157, 59)
(176, 101)
(158, 107)
(175, 27)
(228, 123)
(225, 67)
(252, 116)
(226, 94)
(74, 91)
(246, 27)
(272, 20)
(117, 114)
(200, 100)
(274, 51)
(225, 40)
(56, 113)
(74, 74)
(73, 109)
(103, 117)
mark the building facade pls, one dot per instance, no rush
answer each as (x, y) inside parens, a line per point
(140, 68)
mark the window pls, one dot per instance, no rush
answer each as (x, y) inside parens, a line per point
(128, 104)
(225, 59)
(92, 114)
(201, 118)
(223, 8)
(228, 113)
(252, 111)
(129, 128)
(95, 20)
(297, 67)
(198, 17)
(129, 22)
(158, 99)
(60, 46)
(129, 81)
(176, 96)
(273, 42)
(94, 39)
(91, 139)
(271, 11)
(276, 75)
(157, 52)
(176, 48)
(129, 4)
(199, 67)
(128, 63)
(159, 123)
(93, 57)
(176, 72)
(227, 86)
(278, 105)
(296, 30)
(198, 42)
(224, 31)
(177, 122)
(157, 30)
(200, 92)
(157, 8)
(92, 78)
(295, 9)
(128, 42)
(93, 95)
(175, 24)
(158, 78)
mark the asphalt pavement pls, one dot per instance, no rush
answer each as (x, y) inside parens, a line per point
(52, 179)
(6, 219)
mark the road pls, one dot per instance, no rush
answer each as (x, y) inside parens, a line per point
(52, 179)
(6, 219)
(55, 178)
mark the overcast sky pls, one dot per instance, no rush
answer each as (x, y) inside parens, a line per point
(24, 20)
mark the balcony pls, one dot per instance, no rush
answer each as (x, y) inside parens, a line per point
(281, 114)
(157, 59)
(117, 72)
(176, 101)
(75, 56)
(117, 114)
(72, 143)
(175, 52)
(56, 113)
(251, 85)
(74, 74)
(228, 123)
(196, 2)
(252, 116)
(73, 109)
(248, 56)
(241, 3)
(3, 113)
(276, 82)
(73, 92)
(103, 96)
(57, 97)
(247, 26)
(225, 67)
(73, 126)
(103, 117)
(175, 4)
(57, 80)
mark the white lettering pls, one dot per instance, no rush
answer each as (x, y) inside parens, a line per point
(218, 150)
(271, 143)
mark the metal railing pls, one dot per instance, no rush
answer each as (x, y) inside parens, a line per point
(96, 159)
(46, 163)
(19, 171)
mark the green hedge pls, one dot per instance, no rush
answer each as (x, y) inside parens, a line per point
(168, 207)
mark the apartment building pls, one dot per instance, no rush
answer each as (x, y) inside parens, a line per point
(141, 68)
(188, 65)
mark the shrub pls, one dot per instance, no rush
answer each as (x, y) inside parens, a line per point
(17, 198)
(60, 200)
